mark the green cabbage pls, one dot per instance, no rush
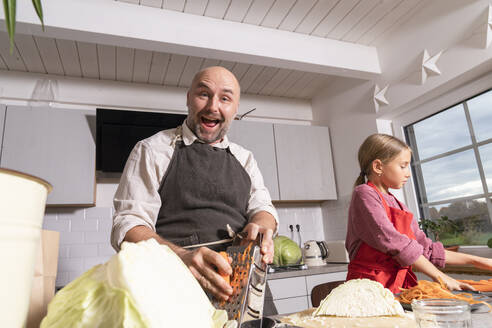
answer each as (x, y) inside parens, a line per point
(144, 285)
(286, 252)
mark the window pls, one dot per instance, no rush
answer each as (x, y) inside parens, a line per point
(452, 170)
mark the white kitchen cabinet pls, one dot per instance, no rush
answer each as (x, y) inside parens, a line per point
(295, 160)
(257, 137)
(291, 305)
(288, 295)
(315, 280)
(2, 121)
(57, 145)
(288, 287)
(304, 162)
(294, 294)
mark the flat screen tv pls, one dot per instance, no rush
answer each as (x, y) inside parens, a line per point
(119, 130)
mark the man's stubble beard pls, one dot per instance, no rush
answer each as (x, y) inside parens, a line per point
(196, 128)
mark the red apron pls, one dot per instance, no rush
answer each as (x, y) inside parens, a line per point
(375, 265)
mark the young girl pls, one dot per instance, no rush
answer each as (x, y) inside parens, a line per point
(383, 239)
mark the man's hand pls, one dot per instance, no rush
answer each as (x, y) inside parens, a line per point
(205, 264)
(207, 267)
(267, 242)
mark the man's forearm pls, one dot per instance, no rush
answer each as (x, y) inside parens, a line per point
(264, 219)
(140, 233)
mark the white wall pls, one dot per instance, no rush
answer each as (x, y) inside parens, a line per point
(457, 28)
(347, 106)
(80, 93)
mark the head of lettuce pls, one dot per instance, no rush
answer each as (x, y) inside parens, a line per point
(144, 285)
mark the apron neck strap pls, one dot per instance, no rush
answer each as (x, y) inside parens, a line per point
(385, 204)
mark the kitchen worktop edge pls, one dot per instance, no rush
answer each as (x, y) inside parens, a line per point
(328, 268)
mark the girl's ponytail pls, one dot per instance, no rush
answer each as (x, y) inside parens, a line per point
(361, 179)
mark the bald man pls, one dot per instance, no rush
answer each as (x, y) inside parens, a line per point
(183, 186)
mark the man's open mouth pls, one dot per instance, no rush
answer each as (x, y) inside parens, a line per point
(210, 123)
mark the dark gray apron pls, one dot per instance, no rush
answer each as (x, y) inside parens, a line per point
(204, 189)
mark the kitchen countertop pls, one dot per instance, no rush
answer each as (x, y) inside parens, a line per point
(328, 268)
(480, 318)
(466, 269)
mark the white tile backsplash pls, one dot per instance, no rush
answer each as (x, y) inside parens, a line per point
(105, 250)
(84, 239)
(85, 233)
(84, 250)
(335, 214)
(89, 262)
(51, 223)
(63, 251)
(98, 213)
(70, 213)
(84, 225)
(69, 238)
(105, 224)
(97, 237)
(72, 275)
(61, 278)
(71, 264)
(308, 216)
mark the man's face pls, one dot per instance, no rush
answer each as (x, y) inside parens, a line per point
(212, 103)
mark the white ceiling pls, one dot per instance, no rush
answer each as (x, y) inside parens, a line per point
(95, 61)
(364, 22)
(358, 21)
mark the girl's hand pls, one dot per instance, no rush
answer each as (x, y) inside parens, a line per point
(453, 284)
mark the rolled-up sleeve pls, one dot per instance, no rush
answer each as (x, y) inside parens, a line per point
(137, 199)
(259, 199)
(370, 222)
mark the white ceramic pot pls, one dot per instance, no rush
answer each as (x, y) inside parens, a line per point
(22, 203)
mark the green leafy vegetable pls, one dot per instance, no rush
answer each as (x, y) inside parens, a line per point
(286, 251)
(144, 285)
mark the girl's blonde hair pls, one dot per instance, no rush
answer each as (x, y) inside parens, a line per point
(377, 146)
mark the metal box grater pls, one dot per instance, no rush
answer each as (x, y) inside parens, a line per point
(248, 281)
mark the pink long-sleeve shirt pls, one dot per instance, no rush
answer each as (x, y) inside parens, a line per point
(369, 223)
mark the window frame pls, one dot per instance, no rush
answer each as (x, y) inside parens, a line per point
(438, 104)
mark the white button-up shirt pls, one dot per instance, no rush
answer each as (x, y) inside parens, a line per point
(137, 200)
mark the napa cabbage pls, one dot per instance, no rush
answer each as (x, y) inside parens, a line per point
(145, 285)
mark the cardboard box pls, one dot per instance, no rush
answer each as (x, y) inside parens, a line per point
(43, 284)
